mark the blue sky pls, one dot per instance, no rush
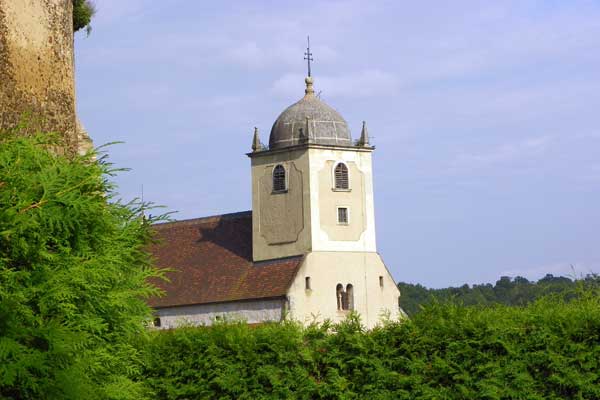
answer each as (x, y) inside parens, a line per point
(485, 115)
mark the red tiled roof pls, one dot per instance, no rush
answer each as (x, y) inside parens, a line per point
(212, 262)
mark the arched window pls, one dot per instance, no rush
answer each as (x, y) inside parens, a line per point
(279, 178)
(339, 295)
(345, 299)
(307, 283)
(341, 177)
(349, 297)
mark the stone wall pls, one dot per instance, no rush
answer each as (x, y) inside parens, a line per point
(251, 311)
(36, 69)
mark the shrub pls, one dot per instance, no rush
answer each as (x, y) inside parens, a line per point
(73, 275)
(547, 350)
(83, 11)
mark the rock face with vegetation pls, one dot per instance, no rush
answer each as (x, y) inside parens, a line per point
(36, 67)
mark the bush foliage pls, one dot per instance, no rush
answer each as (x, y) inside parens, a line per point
(83, 11)
(547, 350)
(73, 275)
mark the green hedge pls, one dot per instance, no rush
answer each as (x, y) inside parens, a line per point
(547, 350)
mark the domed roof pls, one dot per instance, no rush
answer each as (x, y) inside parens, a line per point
(309, 121)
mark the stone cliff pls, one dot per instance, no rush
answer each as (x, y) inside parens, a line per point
(37, 79)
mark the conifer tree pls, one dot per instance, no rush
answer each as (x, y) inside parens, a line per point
(73, 277)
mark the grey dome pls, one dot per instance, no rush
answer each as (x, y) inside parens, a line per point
(309, 121)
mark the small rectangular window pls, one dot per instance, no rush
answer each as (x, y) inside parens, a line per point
(307, 283)
(381, 281)
(157, 322)
(342, 214)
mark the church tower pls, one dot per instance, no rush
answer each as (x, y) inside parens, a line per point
(312, 189)
(312, 196)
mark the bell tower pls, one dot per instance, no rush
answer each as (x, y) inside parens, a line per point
(312, 187)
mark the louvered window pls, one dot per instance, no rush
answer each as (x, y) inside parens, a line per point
(279, 179)
(342, 215)
(341, 176)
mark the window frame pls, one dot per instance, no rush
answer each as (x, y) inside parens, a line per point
(334, 180)
(285, 179)
(337, 215)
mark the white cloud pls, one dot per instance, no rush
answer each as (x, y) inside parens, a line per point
(571, 270)
(267, 54)
(367, 83)
(110, 11)
(509, 152)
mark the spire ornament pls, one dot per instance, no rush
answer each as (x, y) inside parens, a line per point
(256, 144)
(308, 55)
(364, 136)
(309, 91)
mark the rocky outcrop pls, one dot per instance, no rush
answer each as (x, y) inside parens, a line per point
(37, 85)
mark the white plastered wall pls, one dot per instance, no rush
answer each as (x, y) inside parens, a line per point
(320, 159)
(326, 270)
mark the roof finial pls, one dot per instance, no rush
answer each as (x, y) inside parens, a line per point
(309, 80)
(256, 144)
(309, 86)
(308, 55)
(364, 136)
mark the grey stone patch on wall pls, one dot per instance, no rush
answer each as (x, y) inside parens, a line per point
(281, 214)
(250, 311)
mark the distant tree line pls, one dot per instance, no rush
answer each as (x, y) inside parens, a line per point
(508, 291)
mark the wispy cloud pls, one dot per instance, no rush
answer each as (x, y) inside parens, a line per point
(506, 153)
(255, 55)
(571, 270)
(367, 83)
(111, 11)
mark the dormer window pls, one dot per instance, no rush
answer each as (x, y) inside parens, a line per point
(279, 181)
(341, 177)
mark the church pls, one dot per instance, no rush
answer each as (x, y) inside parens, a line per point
(305, 252)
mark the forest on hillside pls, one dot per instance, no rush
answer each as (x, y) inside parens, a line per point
(507, 291)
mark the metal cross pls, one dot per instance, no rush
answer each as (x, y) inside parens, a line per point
(308, 55)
